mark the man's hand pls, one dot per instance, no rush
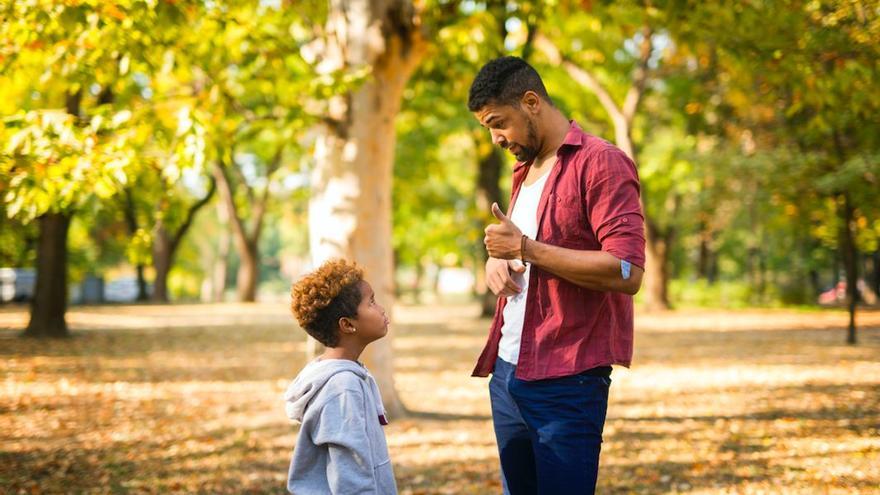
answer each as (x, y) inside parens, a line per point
(502, 239)
(498, 276)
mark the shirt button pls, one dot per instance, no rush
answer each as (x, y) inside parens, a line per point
(625, 220)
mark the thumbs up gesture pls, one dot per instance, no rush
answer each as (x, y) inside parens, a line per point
(502, 239)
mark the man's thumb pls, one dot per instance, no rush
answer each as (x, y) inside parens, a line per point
(516, 266)
(496, 211)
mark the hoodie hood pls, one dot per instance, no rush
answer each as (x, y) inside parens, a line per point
(311, 380)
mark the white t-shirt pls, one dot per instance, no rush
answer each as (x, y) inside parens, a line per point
(524, 216)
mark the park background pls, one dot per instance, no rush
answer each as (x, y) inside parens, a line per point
(168, 168)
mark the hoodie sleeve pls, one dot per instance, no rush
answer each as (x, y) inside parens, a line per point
(342, 428)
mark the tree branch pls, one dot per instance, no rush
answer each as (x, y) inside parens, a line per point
(191, 213)
(582, 76)
(239, 175)
(260, 207)
(640, 76)
(225, 189)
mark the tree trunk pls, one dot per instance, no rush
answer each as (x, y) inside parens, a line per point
(49, 304)
(417, 283)
(166, 242)
(350, 207)
(762, 275)
(248, 272)
(221, 264)
(848, 249)
(143, 295)
(656, 245)
(50, 294)
(876, 278)
(246, 243)
(706, 255)
(812, 277)
(656, 270)
(163, 252)
(131, 220)
(815, 283)
(488, 192)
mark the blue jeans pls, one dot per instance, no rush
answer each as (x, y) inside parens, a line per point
(549, 432)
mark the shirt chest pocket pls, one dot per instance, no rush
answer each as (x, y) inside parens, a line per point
(564, 223)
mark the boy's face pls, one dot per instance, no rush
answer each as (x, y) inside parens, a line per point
(371, 322)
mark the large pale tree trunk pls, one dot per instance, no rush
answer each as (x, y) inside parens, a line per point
(50, 294)
(350, 207)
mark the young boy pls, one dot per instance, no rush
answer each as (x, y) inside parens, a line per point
(341, 445)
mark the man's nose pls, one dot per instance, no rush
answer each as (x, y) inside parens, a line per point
(498, 139)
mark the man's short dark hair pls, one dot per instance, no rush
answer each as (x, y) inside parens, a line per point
(504, 81)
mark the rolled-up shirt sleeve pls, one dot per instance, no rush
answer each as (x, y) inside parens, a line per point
(615, 213)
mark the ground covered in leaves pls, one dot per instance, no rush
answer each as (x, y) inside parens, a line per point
(187, 399)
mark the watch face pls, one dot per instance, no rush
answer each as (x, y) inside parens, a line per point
(625, 268)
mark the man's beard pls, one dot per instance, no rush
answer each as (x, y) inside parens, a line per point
(530, 152)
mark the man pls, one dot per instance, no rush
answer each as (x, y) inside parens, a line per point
(565, 264)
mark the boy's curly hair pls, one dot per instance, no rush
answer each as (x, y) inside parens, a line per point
(324, 296)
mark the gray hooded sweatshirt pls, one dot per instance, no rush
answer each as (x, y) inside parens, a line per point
(341, 444)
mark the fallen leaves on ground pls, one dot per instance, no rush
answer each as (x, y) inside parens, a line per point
(187, 399)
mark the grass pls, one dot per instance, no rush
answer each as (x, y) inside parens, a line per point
(187, 399)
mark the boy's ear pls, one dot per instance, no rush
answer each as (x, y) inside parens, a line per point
(346, 325)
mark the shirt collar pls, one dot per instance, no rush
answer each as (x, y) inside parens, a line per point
(574, 137)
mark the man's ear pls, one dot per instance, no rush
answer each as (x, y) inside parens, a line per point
(530, 102)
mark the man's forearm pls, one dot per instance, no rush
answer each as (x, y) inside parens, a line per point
(595, 270)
